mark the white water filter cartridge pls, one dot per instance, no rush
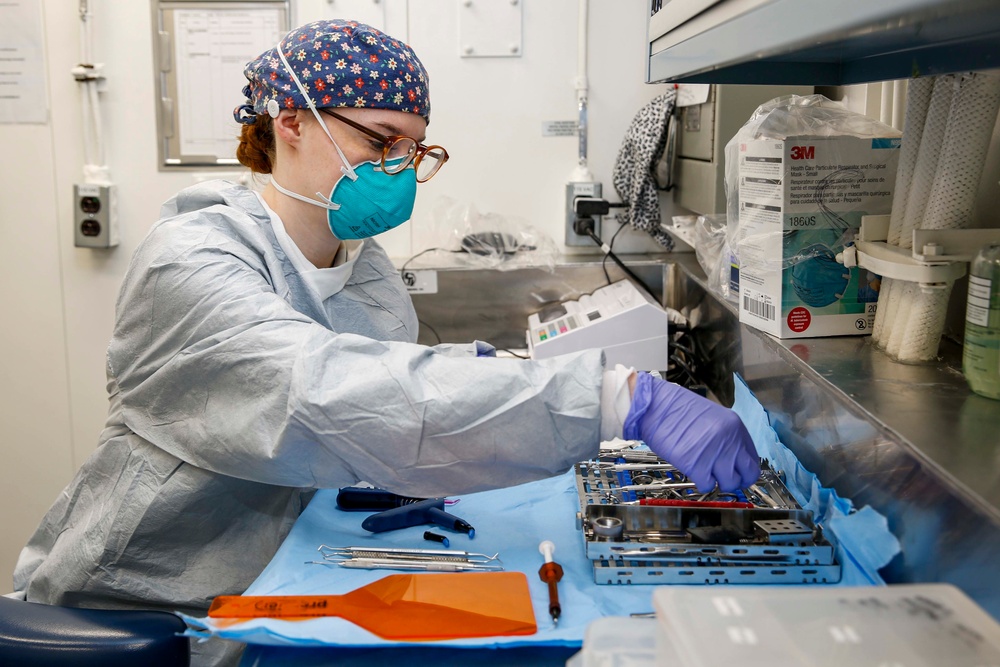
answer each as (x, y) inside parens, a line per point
(952, 198)
(918, 98)
(935, 122)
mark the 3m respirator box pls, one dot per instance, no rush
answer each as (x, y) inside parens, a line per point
(801, 199)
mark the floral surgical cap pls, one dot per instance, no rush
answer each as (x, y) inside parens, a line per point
(341, 64)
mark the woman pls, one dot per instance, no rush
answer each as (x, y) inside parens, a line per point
(264, 347)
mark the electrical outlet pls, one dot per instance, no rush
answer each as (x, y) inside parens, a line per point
(574, 190)
(95, 216)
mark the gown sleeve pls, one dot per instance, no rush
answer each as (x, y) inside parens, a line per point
(217, 369)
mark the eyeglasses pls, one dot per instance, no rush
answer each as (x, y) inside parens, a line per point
(400, 152)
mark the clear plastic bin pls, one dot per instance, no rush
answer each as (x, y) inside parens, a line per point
(617, 641)
(918, 625)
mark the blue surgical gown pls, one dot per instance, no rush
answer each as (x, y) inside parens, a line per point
(235, 392)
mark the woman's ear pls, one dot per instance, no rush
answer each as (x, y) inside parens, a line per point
(288, 126)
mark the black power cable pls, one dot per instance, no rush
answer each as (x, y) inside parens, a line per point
(611, 245)
(584, 226)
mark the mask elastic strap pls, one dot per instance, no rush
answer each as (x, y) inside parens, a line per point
(346, 169)
(324, 203)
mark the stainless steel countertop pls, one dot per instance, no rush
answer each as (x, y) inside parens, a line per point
(929, 406)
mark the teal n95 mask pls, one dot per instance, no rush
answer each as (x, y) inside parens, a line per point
(373, 203)
(365, 200)
(370, 203)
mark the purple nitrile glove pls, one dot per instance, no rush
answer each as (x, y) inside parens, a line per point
(704, 440)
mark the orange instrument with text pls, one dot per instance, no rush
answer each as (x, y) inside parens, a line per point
(407, 607)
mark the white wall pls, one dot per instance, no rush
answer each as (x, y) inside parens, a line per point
(58, 300)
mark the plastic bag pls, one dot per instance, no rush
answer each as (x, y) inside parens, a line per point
(488, 240)
(794, 116)
(708, 236)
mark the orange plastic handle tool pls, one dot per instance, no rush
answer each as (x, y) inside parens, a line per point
(410, 607)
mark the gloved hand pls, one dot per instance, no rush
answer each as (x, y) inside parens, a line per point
(485, 349)
(704, 440)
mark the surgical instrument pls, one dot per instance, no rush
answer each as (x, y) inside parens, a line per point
(364, 499)
(397, 564)
(415, 514)
(551, 572)
(480, 604)
(407, 559)
(764, 496)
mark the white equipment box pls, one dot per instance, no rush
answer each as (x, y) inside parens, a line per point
(631, 328)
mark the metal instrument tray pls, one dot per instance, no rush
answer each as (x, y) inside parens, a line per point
(646, 572)
(757, 535)
(664, 533)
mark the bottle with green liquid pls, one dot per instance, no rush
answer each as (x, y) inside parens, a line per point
(981, 355)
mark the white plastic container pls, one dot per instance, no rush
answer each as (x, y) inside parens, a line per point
(918, 625)
(617, 641)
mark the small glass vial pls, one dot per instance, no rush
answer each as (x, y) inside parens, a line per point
(981, 355)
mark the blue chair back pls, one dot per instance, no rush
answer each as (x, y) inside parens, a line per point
(43, 635)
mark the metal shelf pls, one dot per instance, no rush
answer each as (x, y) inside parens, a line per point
(832, 42)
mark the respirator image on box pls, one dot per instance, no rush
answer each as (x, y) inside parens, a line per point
(819, 280)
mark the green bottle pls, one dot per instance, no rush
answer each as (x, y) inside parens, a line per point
(981, 356)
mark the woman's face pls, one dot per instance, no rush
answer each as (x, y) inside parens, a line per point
(357, 146)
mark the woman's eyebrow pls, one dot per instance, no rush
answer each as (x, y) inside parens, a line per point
(395, 130)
